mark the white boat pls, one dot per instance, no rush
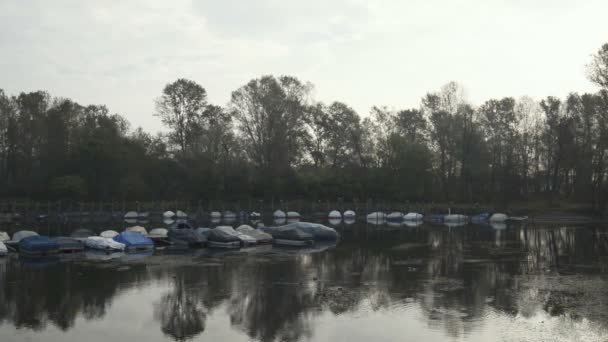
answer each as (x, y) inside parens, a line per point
(413, 217)
(230, 215)
(498, 217)
(279, 214)
(102, 243)
(456, 218)
(334, 214)
(350, 214)
(137, 229)
(18, 236)
(259, 236)
(4, 236)
(131, 215)
(293, 215)
(376, 216)
(180, 215)
(158, 233)
(3, 249)
(108, 234)
(215, 215)
(395, 216)
(168, 214)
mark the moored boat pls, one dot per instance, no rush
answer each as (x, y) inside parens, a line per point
(223, 237)
(38, 245)
(103, 243)
(108, 234)
(134, 241)
(137, 229)
(68, 245)
(3, 249)
(186, 238)
(259, 236)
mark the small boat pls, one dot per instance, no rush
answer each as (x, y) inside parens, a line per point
(108, 234)
(203, 231)
(259, 236)
(223, 237)
(279, 214)
(159, 236)
(229, 215)
(38, 246)
(3, 249)
(215, 215)
(168, 214)
(413, 217)
(376, 218)
(255, 216)
(480, 218)
(18, 236)
(186, 238)
(180, 225)
(4, 237)
(104, 243)
(334, 214)
(293, 215)
(349, 214)
(81, 234)
(318, 232)
(395, 216)
(158, 233)
(134, 241)
(68, 245)
(498, 217)
(131, 215)
(137, 229)
(455, 218)
(291, 236)
(518, 218)
(180, 215)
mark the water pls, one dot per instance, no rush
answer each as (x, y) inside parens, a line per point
(426, 283)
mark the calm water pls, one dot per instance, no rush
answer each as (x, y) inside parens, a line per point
(427, 283)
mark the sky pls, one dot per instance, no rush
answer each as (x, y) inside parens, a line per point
(365, 53)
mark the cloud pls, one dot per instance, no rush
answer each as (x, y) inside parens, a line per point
(390, 52)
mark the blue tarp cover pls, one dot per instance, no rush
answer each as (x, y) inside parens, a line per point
(131, 239)
(38, 244)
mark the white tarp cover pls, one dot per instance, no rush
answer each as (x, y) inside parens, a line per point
(279, 214)
(254, 233)
(335, 214)
(349, 213)
(3, 249)
(102, 243)
(4, 236)
(168, 214)
(498, 217)
(110, 234)
(413, 217)
(137, 229)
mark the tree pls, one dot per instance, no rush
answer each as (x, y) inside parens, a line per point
(180, 107)
(271, 117)
(597, 70)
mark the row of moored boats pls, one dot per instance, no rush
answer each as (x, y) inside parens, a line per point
(178, 235)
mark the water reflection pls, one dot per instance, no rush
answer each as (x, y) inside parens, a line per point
(457, 281)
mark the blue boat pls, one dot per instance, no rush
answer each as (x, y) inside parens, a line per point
(134, 241)
(38, 246)
(481, 218)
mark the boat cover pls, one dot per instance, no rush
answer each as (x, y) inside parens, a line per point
(82, 233)
(103, 243)
(131, 215)
(258, 235)
(181, 215)
(319, 232)
(203, 231)
(189, 236)
(131, 239)
(3, 249)
(137, 229)
(223, 234)
(168, 214)
(376, 216)
(109, 234)
(38, 244)
(70, 244)
(335, 214)
(413, 217)
(4, 236)
(289, 232)
(279, 214)
(20, 235)
(180, 225)
(158, 233)
(395, 216)
(349, 213)
(498, 217)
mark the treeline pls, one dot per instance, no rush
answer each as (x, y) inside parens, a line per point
(274, 140)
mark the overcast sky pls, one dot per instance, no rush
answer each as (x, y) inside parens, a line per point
(121, 53)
